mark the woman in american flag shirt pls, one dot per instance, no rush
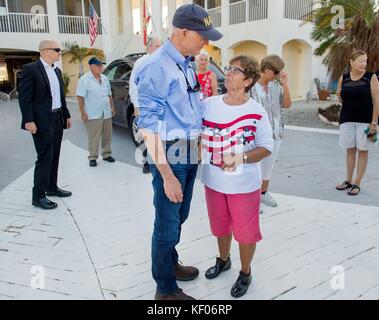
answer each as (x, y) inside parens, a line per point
(236, 136)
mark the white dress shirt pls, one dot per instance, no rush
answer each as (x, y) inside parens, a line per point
(55, 88)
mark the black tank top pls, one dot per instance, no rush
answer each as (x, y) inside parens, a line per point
(357, 104)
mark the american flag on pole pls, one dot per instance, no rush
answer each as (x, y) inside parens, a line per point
(92, 23)
(146, 20)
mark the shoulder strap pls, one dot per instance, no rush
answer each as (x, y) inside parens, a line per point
(367, 77)
(346, 78)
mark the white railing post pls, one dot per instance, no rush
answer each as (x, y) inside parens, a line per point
(52, 11)
(156, 13)
(9, 25)
(275, 13)
(171, 7)
(247, 10)
(225, 13)
(107, 14)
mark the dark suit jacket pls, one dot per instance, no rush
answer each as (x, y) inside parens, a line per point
(35, 96)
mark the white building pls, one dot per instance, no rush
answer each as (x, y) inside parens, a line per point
(254, 27)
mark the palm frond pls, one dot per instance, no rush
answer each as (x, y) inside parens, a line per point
(361, 31)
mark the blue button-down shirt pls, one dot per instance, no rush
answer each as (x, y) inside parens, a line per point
(166, 108)
(96, 96)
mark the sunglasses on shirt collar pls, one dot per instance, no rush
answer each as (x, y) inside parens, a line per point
(197, 86)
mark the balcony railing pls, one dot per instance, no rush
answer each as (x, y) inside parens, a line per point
(215, 14)
(75, 25)
(298, 9)
(237, 12)
(258, 10)
(24, 23)
(247, 10)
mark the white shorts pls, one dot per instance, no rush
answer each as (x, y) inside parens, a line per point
(352, 135)
(267, 164)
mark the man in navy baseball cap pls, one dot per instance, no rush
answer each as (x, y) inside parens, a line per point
(96, 61)
(170, 115)
(194, 17)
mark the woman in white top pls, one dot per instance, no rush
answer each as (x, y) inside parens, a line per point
(272, 92)
(236, 136)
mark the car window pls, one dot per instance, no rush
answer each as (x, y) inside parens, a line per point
(126, 75)
(213, 68)
(118, 71)
(110, 73)
(122, 71)
(217, 71)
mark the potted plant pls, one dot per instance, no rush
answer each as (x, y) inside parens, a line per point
(66, 82)
(333, 90)
(322, 90)
(333, 95)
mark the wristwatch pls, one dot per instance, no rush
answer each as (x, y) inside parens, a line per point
(244, 157)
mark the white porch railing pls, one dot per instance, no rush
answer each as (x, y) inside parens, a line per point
(298, 9)
(24, 22)
(75, 25)
(215, 14)
(237, 12)
(258, 10)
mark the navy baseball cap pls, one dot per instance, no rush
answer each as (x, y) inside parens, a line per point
(196, 18)
(96, 61)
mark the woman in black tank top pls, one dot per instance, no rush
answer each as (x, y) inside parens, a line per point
(358, 92)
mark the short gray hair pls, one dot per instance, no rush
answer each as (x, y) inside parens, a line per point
(150, 40)
(44, 44)
(203, 53)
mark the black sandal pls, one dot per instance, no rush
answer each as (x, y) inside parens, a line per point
(354, 187)
(345, 185)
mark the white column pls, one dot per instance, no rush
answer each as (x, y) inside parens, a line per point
(128, 17)
(276, 15)
(52, 11)
(224, 14)
(106, 18)
(225, 53)
(156, 15)
(171, 8)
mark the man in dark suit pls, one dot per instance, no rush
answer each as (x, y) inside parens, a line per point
(45, 115)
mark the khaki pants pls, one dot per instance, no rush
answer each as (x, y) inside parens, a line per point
(96, 129)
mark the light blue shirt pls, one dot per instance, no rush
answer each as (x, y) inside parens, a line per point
(96, 96)
(166, 108)
(133, 90)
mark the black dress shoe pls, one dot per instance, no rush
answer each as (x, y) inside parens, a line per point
(146, 168)
(219, 267)
(92, 163)
(44, 203)
(59, 193)
(241, 285)
(110, 159)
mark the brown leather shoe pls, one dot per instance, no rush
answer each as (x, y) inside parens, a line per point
(178, 294)
(183, 273)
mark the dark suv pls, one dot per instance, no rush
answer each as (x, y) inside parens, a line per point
(118, 72)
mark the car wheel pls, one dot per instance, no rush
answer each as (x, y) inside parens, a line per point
(134, 131)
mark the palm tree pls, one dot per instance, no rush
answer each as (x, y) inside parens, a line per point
(80, 53)
(361, 31)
